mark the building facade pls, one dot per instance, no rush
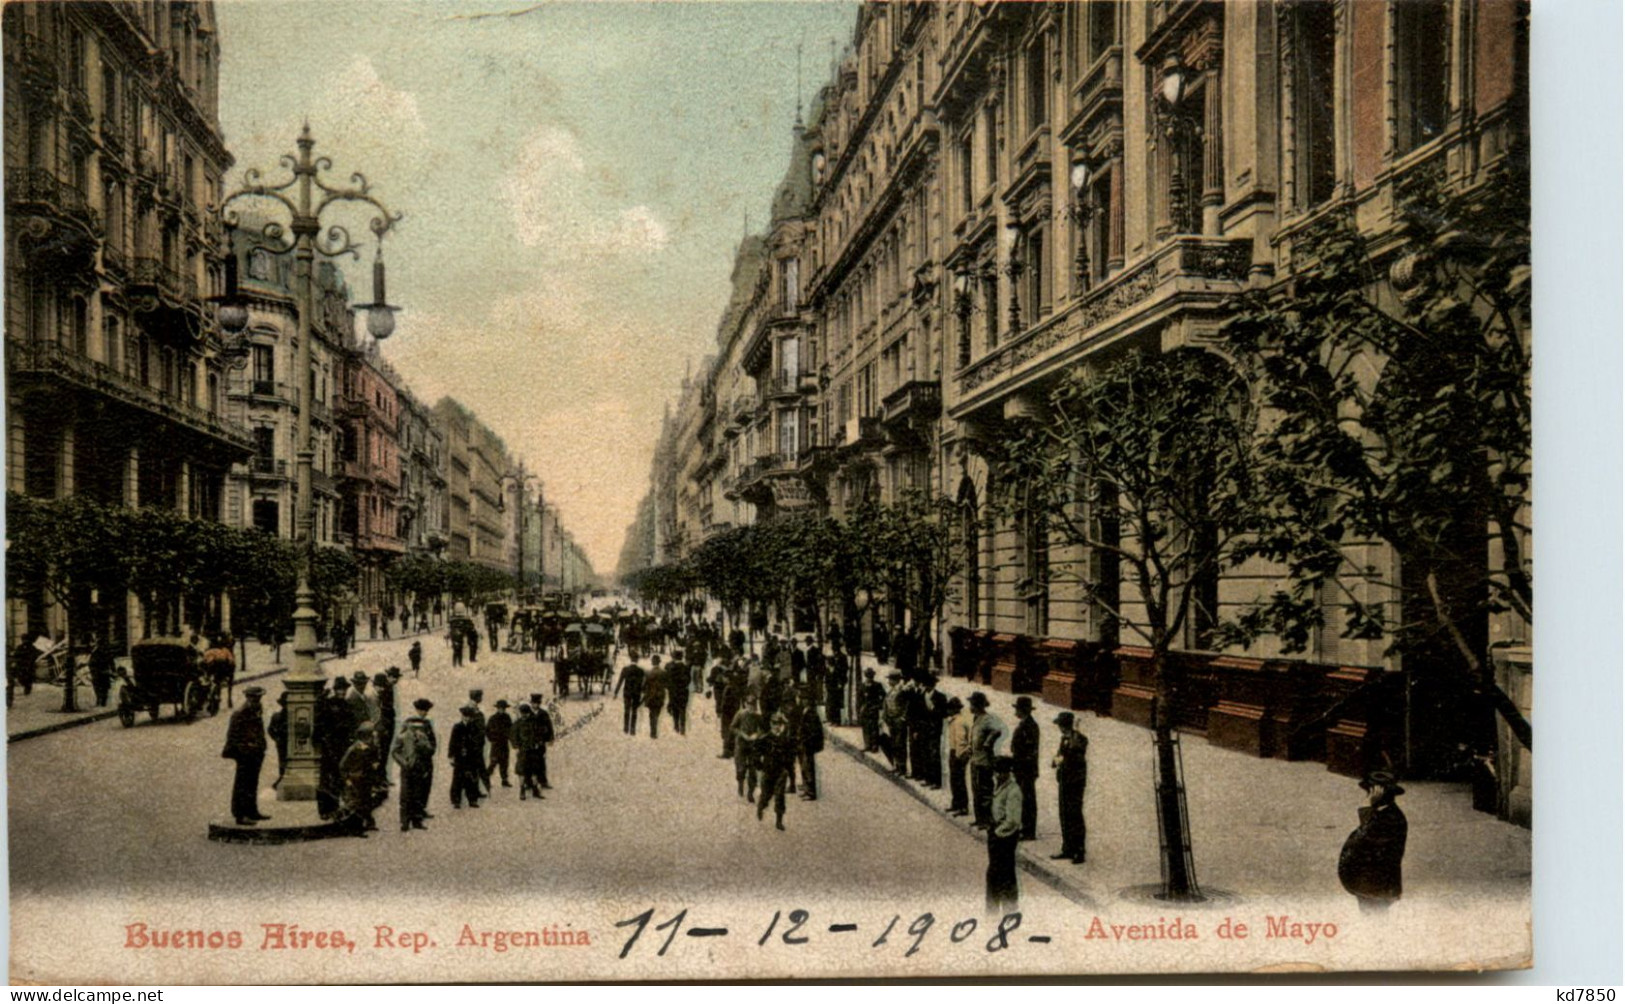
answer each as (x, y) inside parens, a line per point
(115, 389)
(998, 194)
(422, 499)
(369, 466)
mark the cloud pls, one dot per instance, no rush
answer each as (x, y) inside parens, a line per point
(565, 210)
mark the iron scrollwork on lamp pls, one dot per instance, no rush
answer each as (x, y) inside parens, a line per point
(1081, 212)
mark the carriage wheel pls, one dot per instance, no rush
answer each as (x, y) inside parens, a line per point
(126, 708)
(214, 701)
(191, 701)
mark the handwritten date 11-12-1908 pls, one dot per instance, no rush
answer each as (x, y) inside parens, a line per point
(796, 928)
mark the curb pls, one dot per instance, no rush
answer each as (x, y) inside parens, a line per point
(1023, 861)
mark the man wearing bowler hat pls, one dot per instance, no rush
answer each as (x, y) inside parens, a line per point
(544, 735)
(498, 729)
(1024, 750)
(245, 744)
(1071, 765)
(1369, 866)
(467, 753)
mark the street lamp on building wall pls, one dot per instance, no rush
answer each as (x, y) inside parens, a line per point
(1080, 211)
(309, 205)
(860, 603)
(1181, 127)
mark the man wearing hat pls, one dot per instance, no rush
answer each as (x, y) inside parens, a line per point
(1369, 866)
(1024, 750)
(498, 729)
(414, 751)
(475, 696)
(1003, 836)
(335, 728)
(363, 783)
(986, 731)
(467, 753)
(383, 690)
(245, 743)
(871, 702)
(631, 678)
(1071, 765)
(776, 756)
(677, 686)
(362, 706)
(526, 742)
(959, 728)
(654, 695)
(931, 709)
(544, 735)
(729, 691)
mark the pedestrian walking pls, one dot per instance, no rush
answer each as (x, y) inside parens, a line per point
(362, 707)
(467, 750)
(986, 730)
(731, 698)
(383, 691)
(959, 747)
(748, 727)
(473, 640)
(678, 681)
(1071, 776)
(776, 753)
(21, 666)
(456, 637)
(811, 743)
(475, 697)
(102, 670)
(413, 751)
(1002, 891)
(544, 735)
(654, 695)
(1024, 751)
(629, 685)
(415, 655)
(498, 730)
(245, 744)
(1370, 864)
(525, 742)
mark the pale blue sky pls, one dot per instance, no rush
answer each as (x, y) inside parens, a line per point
(574, 180)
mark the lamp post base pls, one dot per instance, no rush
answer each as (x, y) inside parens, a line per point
(291, 822)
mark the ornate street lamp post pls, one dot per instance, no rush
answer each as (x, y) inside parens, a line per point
(520, 479)
(306, 199)
(860, 603)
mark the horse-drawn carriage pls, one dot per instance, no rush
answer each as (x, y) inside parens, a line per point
(166, 671)
(585, 654)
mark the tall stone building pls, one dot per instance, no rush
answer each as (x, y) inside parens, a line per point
(263, 391)
(422, 499)
(369, 466)
(997, 194)
(113, 152)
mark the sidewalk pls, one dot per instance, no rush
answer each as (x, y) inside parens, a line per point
(40, 713)
(1261, 829)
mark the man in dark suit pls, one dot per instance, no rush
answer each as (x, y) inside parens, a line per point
(835, 683)
(335, 729)
(544, 735)
(498, 729)
(245, 743)
(413, 751)
(654, 695)
(934, 711)
(467, 752)
(1024, 753)
(871, 703)
(631, 678)
(1369, 865)
(1071, 775)
(678, 681)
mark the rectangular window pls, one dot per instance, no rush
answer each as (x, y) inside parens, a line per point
(1102, 27)
(792, 284)
(264, 442)
(1314, 38)
(990, 149)
(1422, 54)
(1037, 86)
(990, 311)
(264, 368)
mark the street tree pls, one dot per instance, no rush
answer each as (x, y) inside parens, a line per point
(1401, 413)
(1148, 458)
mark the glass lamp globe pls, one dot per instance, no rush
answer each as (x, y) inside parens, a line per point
(380, 323)
(233, 317)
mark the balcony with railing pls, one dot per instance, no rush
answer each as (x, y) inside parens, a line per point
(51, 364)
(36, 192)
(1185, 275)
(268, 468)
(744, 408)
(36, 58)
(914, 400)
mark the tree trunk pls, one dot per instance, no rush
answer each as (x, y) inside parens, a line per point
(1178, 860)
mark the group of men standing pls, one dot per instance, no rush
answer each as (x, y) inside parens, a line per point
(357, 739)
(654, 689)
